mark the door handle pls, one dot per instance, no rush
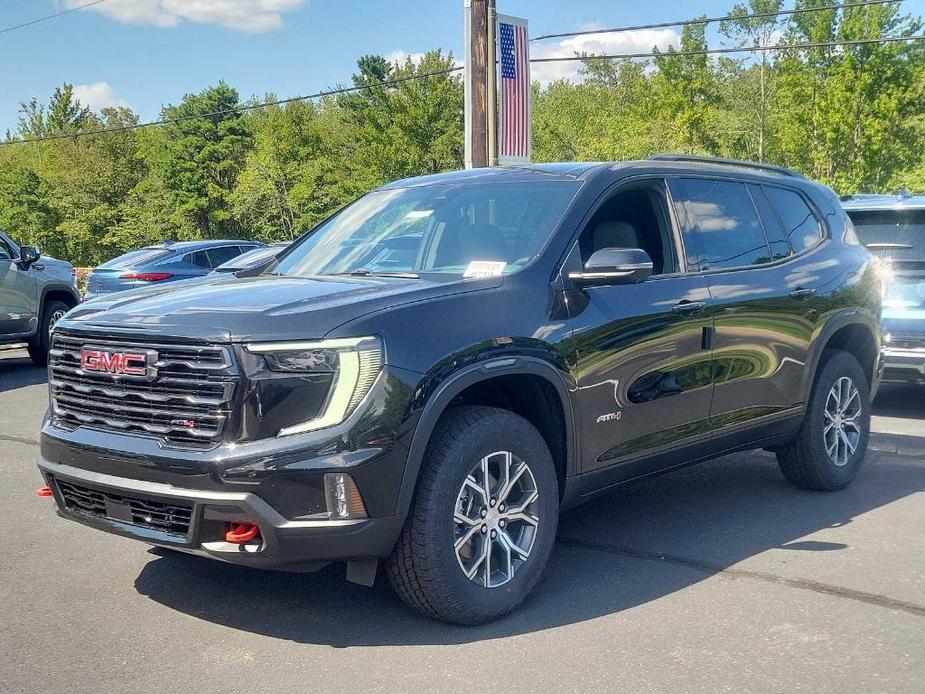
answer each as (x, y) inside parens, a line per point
(801, 293)
(685, 307)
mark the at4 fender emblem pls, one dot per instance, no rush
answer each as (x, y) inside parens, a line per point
(610, 417)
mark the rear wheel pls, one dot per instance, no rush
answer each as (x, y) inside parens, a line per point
(484, 519)
(832, 441)
(38, 345)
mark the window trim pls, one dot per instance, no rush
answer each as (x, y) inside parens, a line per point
(825, 236)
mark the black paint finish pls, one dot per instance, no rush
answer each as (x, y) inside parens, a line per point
(648, 376)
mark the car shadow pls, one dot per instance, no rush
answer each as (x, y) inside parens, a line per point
(905, 400)
(18, 371)
(631, 547)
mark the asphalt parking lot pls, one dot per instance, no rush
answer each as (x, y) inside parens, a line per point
(713, 579)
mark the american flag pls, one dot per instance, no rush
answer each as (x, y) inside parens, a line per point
(514, 133)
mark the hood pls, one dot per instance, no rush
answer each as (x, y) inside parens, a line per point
(255, 308)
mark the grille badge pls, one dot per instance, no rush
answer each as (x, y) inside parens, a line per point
(141, 364)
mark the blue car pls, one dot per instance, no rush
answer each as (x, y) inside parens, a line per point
(168, 262)
(254, 260)
(893, 229)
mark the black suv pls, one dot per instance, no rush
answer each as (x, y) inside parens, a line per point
(431, 375)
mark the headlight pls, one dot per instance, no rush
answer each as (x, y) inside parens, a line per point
(354, 362)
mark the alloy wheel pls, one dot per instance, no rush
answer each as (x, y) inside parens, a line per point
(54, 318)
(842, 431)
(495, 519)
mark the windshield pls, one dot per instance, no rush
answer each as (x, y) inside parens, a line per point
(890, 230)
(455, 230)
(133, 258)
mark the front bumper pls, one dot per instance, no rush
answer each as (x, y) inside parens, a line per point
(903, 364)
(292, 545)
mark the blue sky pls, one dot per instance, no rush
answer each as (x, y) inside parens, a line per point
(146, 53)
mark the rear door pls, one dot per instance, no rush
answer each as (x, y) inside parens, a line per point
(762, 293)
(643, 367)
(18, 293)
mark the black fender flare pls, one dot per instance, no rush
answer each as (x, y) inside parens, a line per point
(840, 320)
(58, 287)
(458, 381)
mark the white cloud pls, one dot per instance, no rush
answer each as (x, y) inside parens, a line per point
(641, 41)
(399, 56)
(98, 95)
(243, 15)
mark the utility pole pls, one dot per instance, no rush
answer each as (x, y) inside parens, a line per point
(477, 66)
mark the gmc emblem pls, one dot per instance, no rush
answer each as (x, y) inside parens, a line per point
(130, 364)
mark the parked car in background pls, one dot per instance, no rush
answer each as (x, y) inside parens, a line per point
(254, 260)
(35, 291)
(431, 374)
(167, 262)
(893, 229)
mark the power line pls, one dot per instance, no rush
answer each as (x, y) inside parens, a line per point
(237, 109)
(714, 51)
(51, 16)
(711, 20)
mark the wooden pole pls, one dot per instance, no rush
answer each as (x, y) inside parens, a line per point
(477, 83)
(492, 86)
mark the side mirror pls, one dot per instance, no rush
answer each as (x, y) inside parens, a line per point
(29, 255)
(614, 266)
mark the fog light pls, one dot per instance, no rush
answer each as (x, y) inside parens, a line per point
(343, 497)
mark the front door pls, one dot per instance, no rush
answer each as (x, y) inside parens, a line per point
(17, 294)
(643, 368)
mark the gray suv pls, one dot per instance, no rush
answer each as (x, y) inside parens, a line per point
(35, 291)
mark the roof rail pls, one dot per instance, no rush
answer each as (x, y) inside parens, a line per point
(703, 159)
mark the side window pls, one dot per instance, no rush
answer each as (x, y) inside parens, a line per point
(223, 254)
(197, 258)
(800, 224)
(777, 240)
(636, 217)
(5, 252)
(723, 226)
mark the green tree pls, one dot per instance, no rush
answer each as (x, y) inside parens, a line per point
(200, 159)
(688, 88)
(747, 29)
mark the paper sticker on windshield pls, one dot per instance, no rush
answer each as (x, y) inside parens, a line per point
(484, 268)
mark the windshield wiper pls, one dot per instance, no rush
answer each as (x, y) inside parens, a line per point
(365, 272)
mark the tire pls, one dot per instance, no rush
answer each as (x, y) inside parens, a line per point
(38, 345)
(425, 568)
(808, 461)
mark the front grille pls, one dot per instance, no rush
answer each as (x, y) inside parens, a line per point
(188, 402)
(169, 517)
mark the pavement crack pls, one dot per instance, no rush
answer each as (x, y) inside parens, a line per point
(19, 439)
(705, 567)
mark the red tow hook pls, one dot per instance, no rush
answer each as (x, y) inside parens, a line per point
(43, 491)
(241, 533)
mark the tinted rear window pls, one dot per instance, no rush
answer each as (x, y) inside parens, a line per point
(896, 230)
(800, 224)
(143, 255)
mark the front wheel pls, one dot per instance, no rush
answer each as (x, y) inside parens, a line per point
(38, 345)
(484, 519)
(832, 441)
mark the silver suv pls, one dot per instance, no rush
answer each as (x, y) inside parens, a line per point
(35, 291)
